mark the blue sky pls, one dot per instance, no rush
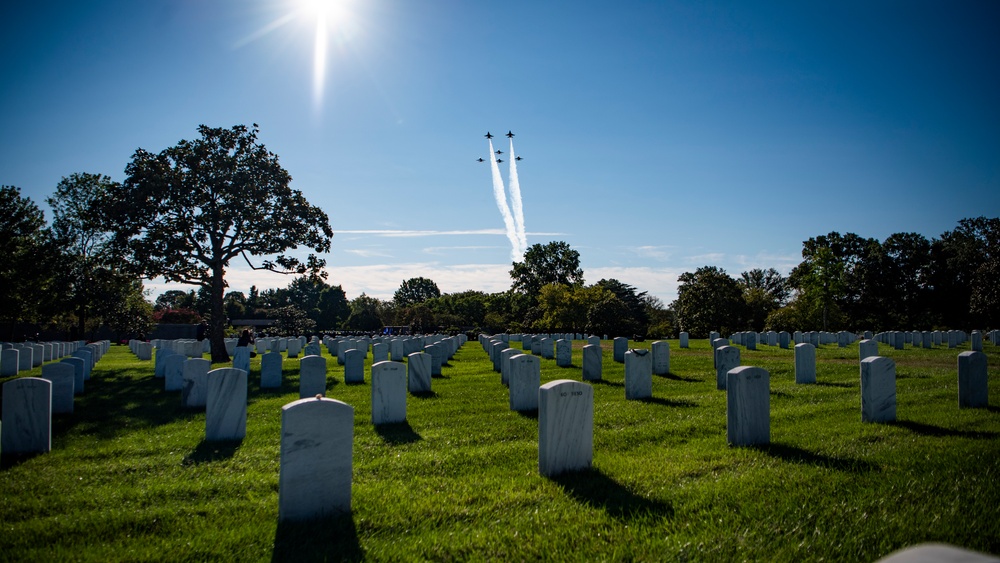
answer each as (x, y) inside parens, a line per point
(657, 137)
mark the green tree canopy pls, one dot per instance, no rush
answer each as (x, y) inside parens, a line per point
(708, 299)
(27, 270)
(186, 212)
(415, 290)
(554, 262)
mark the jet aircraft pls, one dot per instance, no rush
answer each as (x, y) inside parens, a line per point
(499, 151)
(499, 161)
(481, 160)
(488, 136)
(509, 134)
(517, 158)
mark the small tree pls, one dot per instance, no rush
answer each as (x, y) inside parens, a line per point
(188, 211)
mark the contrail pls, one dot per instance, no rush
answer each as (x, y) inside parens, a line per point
(501, 196)
(515, 197)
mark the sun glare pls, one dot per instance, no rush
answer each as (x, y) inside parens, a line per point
(332, 24)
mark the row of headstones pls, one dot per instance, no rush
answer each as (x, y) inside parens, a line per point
(315, 481)
(972, 370)
(191, 377)
(783, 339)
(16, 357)
(929, 339)
(30, 402)
(520, 369)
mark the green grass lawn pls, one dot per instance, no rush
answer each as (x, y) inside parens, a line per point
(129, 476)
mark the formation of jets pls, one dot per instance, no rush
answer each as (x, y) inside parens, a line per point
(509, 135)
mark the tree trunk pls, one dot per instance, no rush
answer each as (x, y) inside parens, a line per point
(218, 329)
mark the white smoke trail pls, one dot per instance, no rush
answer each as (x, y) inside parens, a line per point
(501, 196)
(515, 197)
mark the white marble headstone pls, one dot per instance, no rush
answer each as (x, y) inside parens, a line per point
(524, 379)
(270, 370)
(437, 357)
(63, 378)
(564, 352)
(27, 416)
(593, 361)
(748, 406)
(638, 374)
(418, 372)
(79, 371)
(565, 427)
(878, 389)
(354, 366)
(867, 349)
(317, 441)
(9, 359)
(661, 357)
(726, 358)
(805, 363)
(973, 380)
(173, 372)
(388, 392)
(684, 340)
(226, 405)
(312, 376)
(294, 347)
(241, 358)
(619, 347)
(194, 390)
(380, 352)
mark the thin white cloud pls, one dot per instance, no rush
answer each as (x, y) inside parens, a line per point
(443, 250)
(433, 233)
(660, 253)
(414, 233)
(710, 259)
(368, 253)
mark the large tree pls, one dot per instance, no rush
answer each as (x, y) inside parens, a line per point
(554, 262)
(415, 290)
(962, 271)
(764, 291)
(26, 270)
(708, 299)
(186, 212)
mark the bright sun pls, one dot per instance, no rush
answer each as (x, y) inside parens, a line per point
(327, 18)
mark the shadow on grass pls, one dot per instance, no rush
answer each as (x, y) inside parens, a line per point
(8, 461)
(593, 488)
(676, 377)
(604, 382)
(397, 433)
(667, 402)
(207, 452)
(117, 402)
(532, 414)
(781, 394)
(424, 394)
(328, 539)
(940, 431)
(795, 454)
